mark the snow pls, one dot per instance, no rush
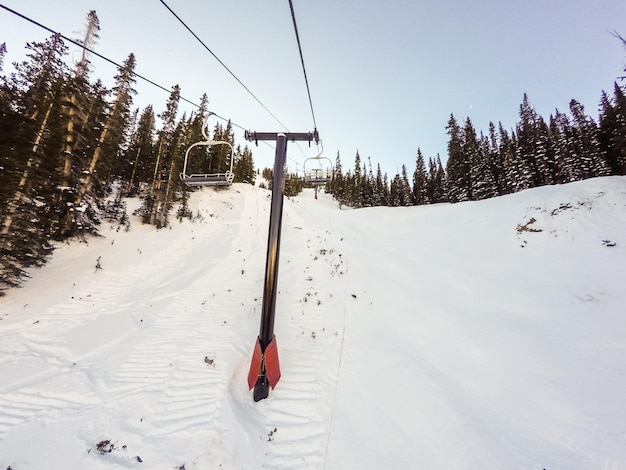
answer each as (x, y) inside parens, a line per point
(448, 336)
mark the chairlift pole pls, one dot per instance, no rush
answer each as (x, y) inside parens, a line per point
(265, 368)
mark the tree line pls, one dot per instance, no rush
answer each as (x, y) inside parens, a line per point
(536, 152)
(67, 141)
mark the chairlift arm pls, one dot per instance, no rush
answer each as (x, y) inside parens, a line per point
(253, 136)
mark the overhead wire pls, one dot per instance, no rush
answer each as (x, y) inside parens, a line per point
(161, 87)
(237, 78)
(77, 43)
(36, 23)
(306, 80)
(222, 64)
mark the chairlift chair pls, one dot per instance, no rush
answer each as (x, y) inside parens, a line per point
(208, 179)
(318, 176)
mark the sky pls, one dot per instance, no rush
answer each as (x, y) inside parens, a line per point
(384, 76)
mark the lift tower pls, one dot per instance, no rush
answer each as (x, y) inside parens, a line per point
(265, 368)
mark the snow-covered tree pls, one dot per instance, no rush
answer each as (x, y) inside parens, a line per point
(420, 184)
(457, 167)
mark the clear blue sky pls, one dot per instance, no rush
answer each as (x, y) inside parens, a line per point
(384, 76)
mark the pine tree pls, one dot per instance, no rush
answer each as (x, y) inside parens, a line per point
(561, 148)
(338, 185)
(381, 192)
(155, 205)
(473, 160)
(120, 118)
(3, 51)
(5, 92)
(512, 166)
(545, 160)
(532, 146)
(34, 79)
(607, 123)
(406, 198)
(347, 190)
(76, 91)
(441, 191)
(618, 137)
(482, 180)
(400, 190)
(431, 181)
(173, 163)
(612, 132)
(88, 41)
(395, 191)
(592, 158)
(421, 194)
(525, 147)
(165, 135)
(387, 190)
(220, 155)
(613, 124)
(71, 217)
(293, 185)
(112, 135)
(244, 166)
(31, 96)
(457, 168)
(88, 132)
(356, 196)
(198, 158)
(496, 160)
(140, 154)
(368, 185)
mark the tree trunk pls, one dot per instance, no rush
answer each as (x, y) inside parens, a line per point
(132, 176)
(69, 144)
(168, 187)
(156, 167)
(86, 187)
(19, 194)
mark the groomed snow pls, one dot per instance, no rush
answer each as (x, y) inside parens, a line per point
(484, 335)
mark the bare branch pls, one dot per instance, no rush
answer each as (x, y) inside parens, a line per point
(618, 36)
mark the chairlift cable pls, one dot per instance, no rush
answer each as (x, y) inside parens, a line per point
(119, 66)
(306, 80)
(82, 46)
(110, 61)
(222, 64)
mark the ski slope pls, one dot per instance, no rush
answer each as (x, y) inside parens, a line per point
(484, 334)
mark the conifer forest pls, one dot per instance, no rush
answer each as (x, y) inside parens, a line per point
(71, 150)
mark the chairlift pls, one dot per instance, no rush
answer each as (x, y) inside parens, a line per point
(208, 179)
(318, 176)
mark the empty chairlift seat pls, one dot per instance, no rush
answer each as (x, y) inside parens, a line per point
(210, 178)
(323, 171)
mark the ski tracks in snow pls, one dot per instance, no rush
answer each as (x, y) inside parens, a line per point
(151, 351)
(184, 363)
(309, 330)
(160, 345)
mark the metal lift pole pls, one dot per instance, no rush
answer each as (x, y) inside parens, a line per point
(266, 332)
(265, 368)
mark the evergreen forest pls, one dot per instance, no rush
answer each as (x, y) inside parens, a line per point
(71, 151)
(479, 165)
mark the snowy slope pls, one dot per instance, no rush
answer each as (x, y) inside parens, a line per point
(477, 335)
